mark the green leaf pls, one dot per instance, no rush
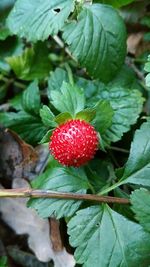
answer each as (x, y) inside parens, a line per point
(137, 168)
(98, 40)
(55, 80)
(125, 78)
(28, 127)
(140, 200)
(62, 118)
(98, 172)
(47, 117)
(32, 63)
(4, 32)
(16, 101)
(46, 137)
(106, 238)
(147, 69)
(115, 3)
(31, 99)
(87, 114)
(3, 261)
(104, 115)
(70, 98)
(59, 179)
(126, 104)
(36, 20)
(147, 65)
(147, 80)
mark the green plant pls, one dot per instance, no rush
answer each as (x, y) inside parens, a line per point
(68, 63)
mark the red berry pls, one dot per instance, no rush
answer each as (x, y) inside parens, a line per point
(74, 143)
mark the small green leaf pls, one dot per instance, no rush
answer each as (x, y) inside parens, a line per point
(55, 80)
(126, 104)
(31, 99)
(98, 40)
(87, 114)
(32, 63)
(47, 117)
(28, 127)
(49, 17)
(140, 200)
(104, 115)
(70, 98)
(115, 3)
(125, 244)
(46, 137)
(137, 168)
(63, 117)
(59, 179)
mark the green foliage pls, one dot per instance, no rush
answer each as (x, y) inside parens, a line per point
(120, 107)
(26, 125)
(27, 122)
(47, 116)
(115, 3)
(104, 115)
(126, 104)
(100, 46)
(63, 117)
(36, 20)
(137, 168)
(32, 63)
(59, 179)
(31, 99)
(106, 238)
(3, 261)
(70, 98)
(140, 200)
(46, 137)
(62, 60)
(55, 80)
(147, 69)
(87, 114)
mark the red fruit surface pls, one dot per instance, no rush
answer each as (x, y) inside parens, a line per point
(74, 143)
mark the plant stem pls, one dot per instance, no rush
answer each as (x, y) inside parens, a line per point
(62, 45)
(24, 193)
(119, 149)
(9, 81)
(110, 188)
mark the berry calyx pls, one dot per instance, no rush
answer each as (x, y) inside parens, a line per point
(74, 143)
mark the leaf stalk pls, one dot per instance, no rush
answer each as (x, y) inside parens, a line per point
(38, 193)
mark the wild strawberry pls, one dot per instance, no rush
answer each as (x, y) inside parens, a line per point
(74, 143)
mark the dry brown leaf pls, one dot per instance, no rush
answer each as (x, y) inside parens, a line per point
(133, 42)
(17, 158)
(136, 44)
